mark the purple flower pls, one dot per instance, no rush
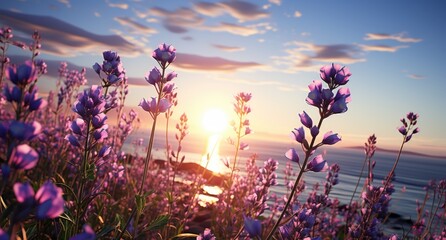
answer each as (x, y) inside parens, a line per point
(33, 103)
(50, 203)
(314, 131)
(99, 120)
(206, 235)
(317, 164)
(23, 192)
(244, 146)
(150, 106)
(90, 103)
(314, 97)
(402, 130)
(23, 74)
(3, 235)
(339, 103)
(253, 227)
(12, 94)
(19, 131)
(306, 120)
(335, 75)
(168, 87)
(87, 234)
(171, 76)
(24, 157)
(245, 97)
(330, 138)
(77, 126)
(299, 134)
(164, 54)
(154, 76)
(292, 155)
(73, 140)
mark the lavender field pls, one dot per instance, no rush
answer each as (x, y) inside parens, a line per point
(222, 119)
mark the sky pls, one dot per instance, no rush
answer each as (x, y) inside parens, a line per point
(270, 48)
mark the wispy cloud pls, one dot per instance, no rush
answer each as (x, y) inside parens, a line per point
(123, 6)
(297, 14)
(64, 39)
(277, 2)
(228, 48)
(183, 19)
(134, 26)
(179, 20)
(240, 10)
(416, 76)
(400, 37)
(302, 56)
(201, 63)
(381, 48)
(65, 2)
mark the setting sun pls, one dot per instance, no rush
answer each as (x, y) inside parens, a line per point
(215, 120)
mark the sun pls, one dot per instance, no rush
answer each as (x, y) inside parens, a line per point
(215, 120)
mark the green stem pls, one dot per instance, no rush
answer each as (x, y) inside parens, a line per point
(296, 183)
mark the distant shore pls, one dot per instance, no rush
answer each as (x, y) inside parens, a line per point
(404, 152)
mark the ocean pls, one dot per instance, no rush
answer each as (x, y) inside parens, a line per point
(412, 174)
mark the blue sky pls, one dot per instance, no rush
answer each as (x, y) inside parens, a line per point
(274, 49)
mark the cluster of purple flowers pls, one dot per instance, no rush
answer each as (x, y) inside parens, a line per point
(111, 67)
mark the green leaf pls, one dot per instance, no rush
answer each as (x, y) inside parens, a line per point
(185, 235)
(140, 203)
(159, 222)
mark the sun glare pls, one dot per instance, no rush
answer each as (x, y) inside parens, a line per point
(215, 120)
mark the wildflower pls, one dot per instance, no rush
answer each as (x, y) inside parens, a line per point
(299, 134)
(206, 235)
(24, 157)
(317, 164)
(253, 227)
(370, 146)
(152, 108)
(90, 103)
(154, 76)
(32, 102)
(335, 75)
(3, 235)
(292, 155)
(306, 120)
(339, 103)
(171, 76)
(405, 129)
(19, 131)
(23, 74)
(164, 54)
(330, 138)
(112, 67)
(87, 234)
(12, 94)
(47, 202)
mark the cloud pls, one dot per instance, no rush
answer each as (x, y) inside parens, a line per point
(123, 6)
(97, 14)
(234, 29)
(303, 56)
(416, 76)
(381, 48)
(400, 37)
(277, 2)
(241, 10)
(135, 26)
(297, 14)
(66, 2)
(228, 48)
(201, 63)
(183, 19)
(64, 39)
(178, 21)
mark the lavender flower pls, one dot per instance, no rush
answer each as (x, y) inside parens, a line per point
(23, 74)
(112, 67)
(253, 227)
(317, 164)
(24, 157)
(164, 54)
(306, 120)
(335, 75)
(47, 202)
(292, 155)
(87, 234)
(19, 131)
(206, 235)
